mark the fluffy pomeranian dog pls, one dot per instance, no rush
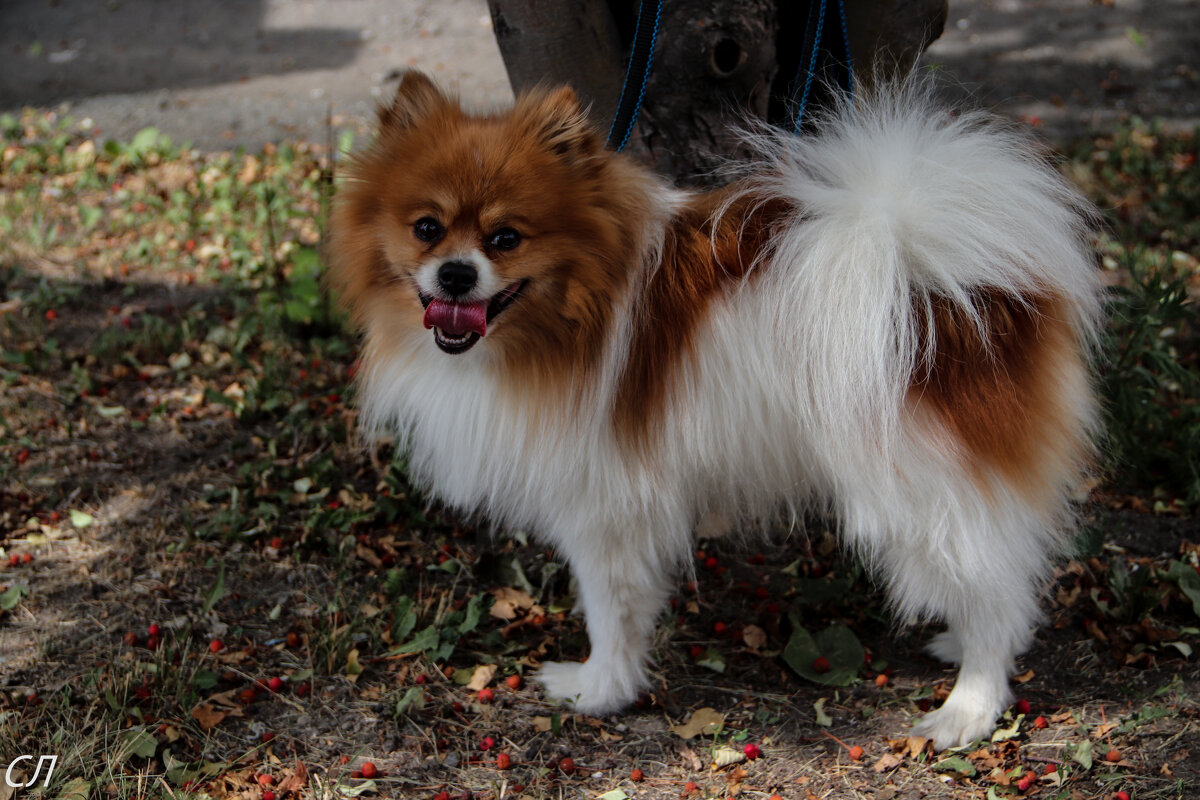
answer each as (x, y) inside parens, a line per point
(890, 319)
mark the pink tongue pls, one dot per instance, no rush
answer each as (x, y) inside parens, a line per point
(456, 319)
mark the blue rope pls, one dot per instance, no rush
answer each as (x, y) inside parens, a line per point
(811, 71)
(814, 38)
(644, 40)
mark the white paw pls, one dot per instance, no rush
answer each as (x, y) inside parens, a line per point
(946, 647)
(957, 723)
(580, 688)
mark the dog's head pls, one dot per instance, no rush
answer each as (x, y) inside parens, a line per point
(506, 233)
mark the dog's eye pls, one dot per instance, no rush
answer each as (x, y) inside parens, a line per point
(504, 239)
(428, 229)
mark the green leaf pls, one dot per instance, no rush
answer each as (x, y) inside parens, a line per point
(837, 644)
(216, 593)
(204, 679)
(1080, 753)
(405, 617)
(413, 698)
(1188, 581)
(1011, 732)
(474, 612)
(424, 641)
(712, 659)
(81, 519)
(135, 742)
(75, 789)
(615, 794)
(143, 141)
(11, 596)
(956, 764)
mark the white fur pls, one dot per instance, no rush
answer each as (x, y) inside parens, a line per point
(796, 398)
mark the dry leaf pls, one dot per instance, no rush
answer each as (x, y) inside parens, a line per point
(703, 720)
(754, 637)
(482, 677)
(509, 601)
(1024, 677)
(294, 782)
(888, 761)
(724, 756)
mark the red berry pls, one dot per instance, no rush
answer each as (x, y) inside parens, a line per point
(215, 646)
(696, 651)
(268, 795)
(422, 679)
(303, 689)
(293, 639)
(1024, 784)
(486, 695)
(154, 630)
(26, 558)
(752, 751)
(266, 780)
(503, 761)
(248, 695)
(1113, 755)
(130, 638)
(690, 787)
(637, 776)
(277, 542)
(1122, 795)
(14, 560)
(22, 455)
(189, 245)
(1021, 706)
(567, 765)
(719, 628)
(369, 770)
(275, 684)
(51, 314)
(711, 563)
(442, 796)
(881, 680)
(856, 753)
(821, 665)
(1050, 769)
(269, 736)
(513, 682)
(1040, 723)
(487, 744)
(152, 642)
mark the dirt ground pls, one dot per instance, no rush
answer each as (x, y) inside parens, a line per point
(156, 453)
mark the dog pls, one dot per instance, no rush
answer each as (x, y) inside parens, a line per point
(891, 319)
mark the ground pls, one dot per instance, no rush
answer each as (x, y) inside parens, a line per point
(186, 515)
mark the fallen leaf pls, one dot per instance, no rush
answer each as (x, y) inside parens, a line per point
(702, 721)
(482, 677)
(888, 761)
(508, 602)
(754, 637)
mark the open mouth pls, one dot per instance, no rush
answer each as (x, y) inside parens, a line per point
(458, 326)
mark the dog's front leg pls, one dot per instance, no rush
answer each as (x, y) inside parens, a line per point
(624, 583)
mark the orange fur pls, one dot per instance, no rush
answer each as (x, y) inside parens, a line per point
(1002, 394)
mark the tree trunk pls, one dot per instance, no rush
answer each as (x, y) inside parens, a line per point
(716, 62)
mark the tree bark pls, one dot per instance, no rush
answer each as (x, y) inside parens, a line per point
(716, 63)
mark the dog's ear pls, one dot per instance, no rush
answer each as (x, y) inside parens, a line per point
(416, 98)
(559, 121)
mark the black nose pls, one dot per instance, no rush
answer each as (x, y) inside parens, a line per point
(457, 278)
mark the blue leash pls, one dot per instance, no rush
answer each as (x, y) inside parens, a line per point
(641, 58)
(814, 37)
